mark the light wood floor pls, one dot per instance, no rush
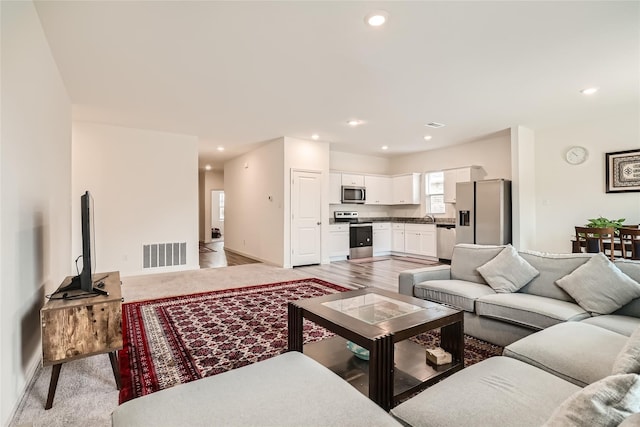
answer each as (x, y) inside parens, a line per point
(381, 272)
(219, 257)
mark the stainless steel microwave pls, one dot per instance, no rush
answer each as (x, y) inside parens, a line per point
(353, 194)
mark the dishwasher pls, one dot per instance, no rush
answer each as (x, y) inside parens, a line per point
(446, 241)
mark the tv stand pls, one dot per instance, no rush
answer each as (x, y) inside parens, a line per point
(75, 285)
(74, 328)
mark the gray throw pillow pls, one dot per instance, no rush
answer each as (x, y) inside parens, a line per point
(628, 360)
(599, 286)
(604, 403)
(508, 271)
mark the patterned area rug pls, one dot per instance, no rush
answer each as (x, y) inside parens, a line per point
(175, 340)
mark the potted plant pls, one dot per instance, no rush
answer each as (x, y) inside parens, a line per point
(601, 222)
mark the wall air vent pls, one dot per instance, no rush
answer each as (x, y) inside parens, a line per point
(434, 125)
(156, 255)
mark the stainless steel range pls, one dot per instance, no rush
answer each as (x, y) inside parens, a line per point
(360, 234)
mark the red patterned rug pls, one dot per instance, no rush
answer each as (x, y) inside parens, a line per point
(175, 340)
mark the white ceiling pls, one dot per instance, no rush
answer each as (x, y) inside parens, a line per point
(239, 73)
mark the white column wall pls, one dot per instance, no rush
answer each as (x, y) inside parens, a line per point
(254, 225)
(523, 188)
(145, 188)
(35, 180)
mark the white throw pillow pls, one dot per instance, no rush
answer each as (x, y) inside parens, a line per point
(628, 360)
(604, 403)
(599, 286)
(508, 271)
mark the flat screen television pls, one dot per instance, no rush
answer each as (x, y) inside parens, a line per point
(83, 281)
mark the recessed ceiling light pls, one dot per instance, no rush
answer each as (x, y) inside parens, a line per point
(220, 148)
(376, 18)
(208, 167)
(427, 137)
(589, 91)
(354, 122)
(315, 136)
(385, 147)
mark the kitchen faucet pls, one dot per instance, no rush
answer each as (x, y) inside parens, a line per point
(431, 217)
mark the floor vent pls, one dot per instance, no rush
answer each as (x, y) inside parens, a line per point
(164, 254)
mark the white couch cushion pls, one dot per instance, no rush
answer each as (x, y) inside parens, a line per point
(498, 391)
(551, 267)
(528, 310)
(467, 258)
(289, 389)
(557, 348)
(599, 286)
(508, 271)
(628, 360)
(455, 293)
(605, 403)
(624, 325)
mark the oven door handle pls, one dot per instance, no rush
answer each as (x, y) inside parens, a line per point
(360, 225)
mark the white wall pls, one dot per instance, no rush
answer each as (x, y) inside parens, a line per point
(207, 181)
(492, 152)
(35, 180)
(254, 226)
(145, 187)
(568, 195)
(350, 162)
(310, 156)
(523, 191)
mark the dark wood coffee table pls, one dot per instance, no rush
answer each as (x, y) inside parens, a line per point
(381, 322)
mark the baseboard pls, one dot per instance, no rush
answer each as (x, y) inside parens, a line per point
(30, 376)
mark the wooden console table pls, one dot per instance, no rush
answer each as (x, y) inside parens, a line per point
(82, 327)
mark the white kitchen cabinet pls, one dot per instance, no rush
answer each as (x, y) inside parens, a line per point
(406, 189)
(453, 176)
(353, 179)
(381, 238)
(379, 190)
(420, 239)
(338, 240)
(397, 237)
(335, 188)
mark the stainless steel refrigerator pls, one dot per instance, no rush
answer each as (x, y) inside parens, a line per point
(483, 212)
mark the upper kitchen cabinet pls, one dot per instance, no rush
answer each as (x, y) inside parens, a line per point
(406, 189)
(453, 176)
(379, 190)
(351, 179)
(335, 188)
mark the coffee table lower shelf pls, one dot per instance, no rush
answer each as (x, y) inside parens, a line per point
(412, 373)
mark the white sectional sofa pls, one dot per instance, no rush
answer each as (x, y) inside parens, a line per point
(505, 317)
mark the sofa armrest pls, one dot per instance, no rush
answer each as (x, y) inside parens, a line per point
(409, 278)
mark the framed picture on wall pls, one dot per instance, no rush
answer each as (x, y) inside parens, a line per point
(622, 171)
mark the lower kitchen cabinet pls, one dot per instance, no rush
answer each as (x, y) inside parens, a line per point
(420, 239)
(338, 240)
(381, 238)
(397, 238)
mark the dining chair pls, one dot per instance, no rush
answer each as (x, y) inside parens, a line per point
(630, 240)
(597, 239)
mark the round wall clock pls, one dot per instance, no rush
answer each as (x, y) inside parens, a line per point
(576, 155)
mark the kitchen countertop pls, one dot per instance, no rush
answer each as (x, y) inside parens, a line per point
(405, 220)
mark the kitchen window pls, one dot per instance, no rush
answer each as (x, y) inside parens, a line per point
(434, 197)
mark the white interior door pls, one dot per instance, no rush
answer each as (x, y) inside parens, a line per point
(306, 195)
(217, 210)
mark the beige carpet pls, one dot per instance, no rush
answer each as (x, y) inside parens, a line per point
(86, 393)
